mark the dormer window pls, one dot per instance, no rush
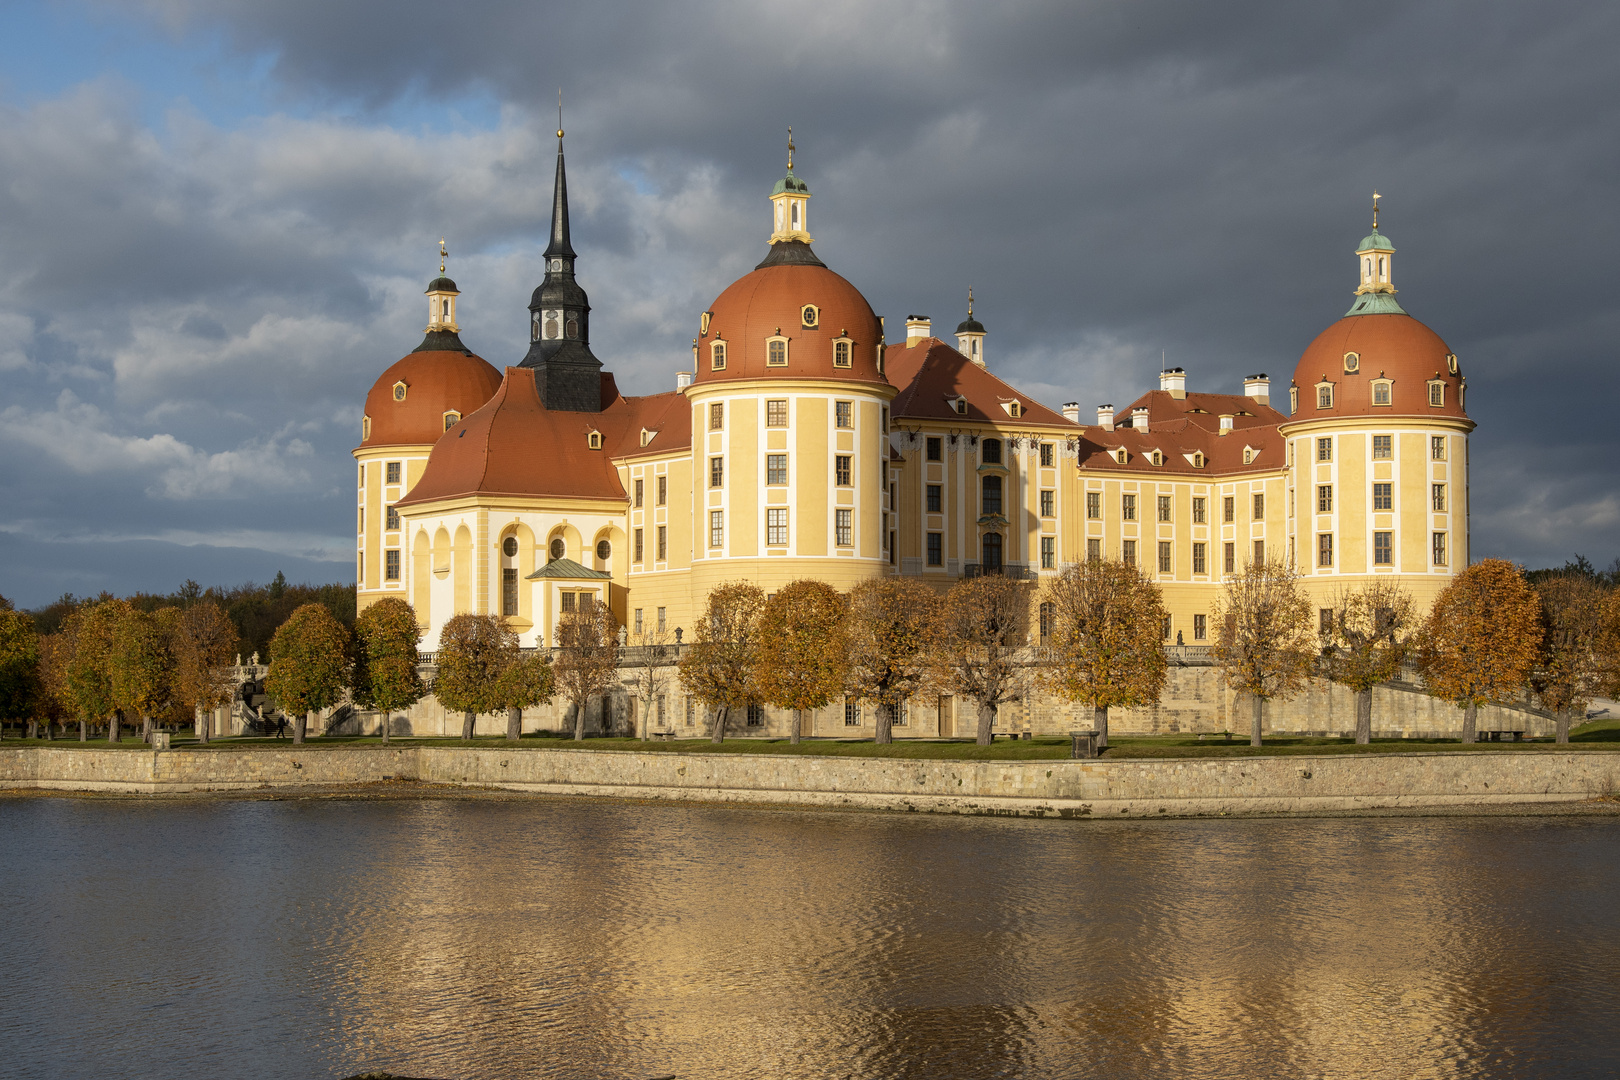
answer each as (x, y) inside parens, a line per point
(647, 436)
(1437, 393)
(1352, 363)
(451, 418)
(1121, 456)
(1293, 399)
(399, 391)
(594, 439)
(365, 428)
(1198, 460)
(1014, 409)
(843, 353)
(717, 356)
(1382, 391)
(810, 316)
(776, 352)
(960, 405)
(1324, 395)
(1158, 457)
(703, 323)
(1451, 363)
(1248, 455)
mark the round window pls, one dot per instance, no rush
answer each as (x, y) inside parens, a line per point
(509, 546)
(558, 548)
(399, 391)
(809, 315)
(603, 549)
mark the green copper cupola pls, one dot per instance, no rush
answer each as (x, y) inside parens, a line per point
(1375, 295)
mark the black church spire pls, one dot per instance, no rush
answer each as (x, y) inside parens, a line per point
(568, 375)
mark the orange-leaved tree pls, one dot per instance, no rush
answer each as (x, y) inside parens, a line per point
(800, 661)
(473, 652)
(309, 664)
(89, 631)
(203, 639)
(142, 665)
(1107, 640)
(1479, 641)
(718, 666)
(979, 635)
(587, 658)
(891, 622)
(1267, 647)
(1574, 665)
(1366, 642)
(55, 702)
(385, 677)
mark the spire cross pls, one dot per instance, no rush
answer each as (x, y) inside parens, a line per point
(790, 148)
(1375, 211)
(970, 301)
(443, 254)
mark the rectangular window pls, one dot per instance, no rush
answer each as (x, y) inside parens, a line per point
(1383, 548)
(638, 620)
(844, 526)
(509, 589)
(1324, 449)
(1259, 553)
(1437, 394)
(883, 420)
(1439, 548)
(776, 529)
(717, 416)
(1127, 552)
(663, 490)
(935, 498)
(756, 715)
(892, 487)
(776, 468)
(639, 550)
(1094, 550)
(1164, 508)
(1199, 565)
(1127, 507)
(1381, 391)
(639, 484)
(393, 472)
(843, 414)
(933, 444)
(1324, 549)
(393, 519)
(1048, 553)
(1200, 627)
(1229, 509)
(1199, 516)
(1437, 496)
(1324, 397)
(852, 713)
(568, 602)
(1259, 507)
(1324, 498)
(360, 567)
(1383, 496)
(1164, 556)
(717, 472)
(1093, 505)
(1048, 504)
(776, 413)
(992, 451)
(662, 624)
(663, 542)
(391, 565)
(841, 471)
(1383, 446)
(1231, 558)
(1324, 622)
(1437, 448)
(717, 528)
(936, 549)
(1046, 455)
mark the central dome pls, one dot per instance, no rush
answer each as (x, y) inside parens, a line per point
(818, 321)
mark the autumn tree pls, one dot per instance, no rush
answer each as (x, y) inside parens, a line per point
(309, 665)
(1480, 639)
(1266, 646)
(141, 665)
(718, 667)
(527, 680)
(1367, 639)
(473, 652)
(1573, 665)
(889, 629)
(385, 677)
(977, 644)
(1107, 639)
(19, 666)
(800, 661)
(202, 640)
(587, 658)
(89, 681)
(651, 670)
(54, 701)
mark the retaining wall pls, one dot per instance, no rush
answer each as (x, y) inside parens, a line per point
(1032, 788)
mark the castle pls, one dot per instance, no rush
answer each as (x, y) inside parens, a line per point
(802, 444)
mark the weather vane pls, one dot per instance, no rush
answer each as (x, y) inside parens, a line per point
(1375, 211)
(970, 301)
(443, 254)
(790, 148)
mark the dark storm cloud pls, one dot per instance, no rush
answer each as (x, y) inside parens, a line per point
(1115, 180)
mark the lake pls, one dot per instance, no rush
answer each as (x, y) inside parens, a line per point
(474, 938)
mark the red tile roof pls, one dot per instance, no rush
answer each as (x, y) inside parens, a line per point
(932, 374)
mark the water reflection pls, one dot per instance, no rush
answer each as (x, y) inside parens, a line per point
(558, 939)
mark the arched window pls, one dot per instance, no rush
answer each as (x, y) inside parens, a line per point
(795, 213)
(990, 556)
(991, 501)
(776, 352)
(534, 326)
(1382, 390)
(450, 419)
(447, 309)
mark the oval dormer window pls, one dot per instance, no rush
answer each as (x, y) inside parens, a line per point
(1352, 361)
(810, 316)
(399, 391)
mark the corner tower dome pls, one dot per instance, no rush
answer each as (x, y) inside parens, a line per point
(791, 317)
(1377, 360)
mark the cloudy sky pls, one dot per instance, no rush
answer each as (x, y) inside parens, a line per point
(217, 218)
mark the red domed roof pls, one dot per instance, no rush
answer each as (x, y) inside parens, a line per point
(770, 301)
(1396, 347)
(436, 381)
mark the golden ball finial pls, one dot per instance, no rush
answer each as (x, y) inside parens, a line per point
(559, 133)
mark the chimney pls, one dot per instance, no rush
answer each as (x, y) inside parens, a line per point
(1174, 380)
(1258, 387)
(1071, 411)
(683, 379)
(1105, 417)
(917, 328)
(1139, 419)
(1226, 423)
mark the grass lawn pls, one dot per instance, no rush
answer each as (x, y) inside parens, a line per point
(1598, 735)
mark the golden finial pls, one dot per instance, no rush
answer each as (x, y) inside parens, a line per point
(1375, 211)
(559, 112)
(443, 254)
(790, 148)
(970, 301)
